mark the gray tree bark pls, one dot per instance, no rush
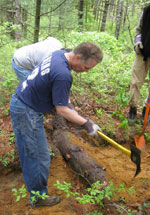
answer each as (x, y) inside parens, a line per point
(17, 18)
(80, 14)
(105, 13)
(37, 21)
(118, 18)
(24, 22)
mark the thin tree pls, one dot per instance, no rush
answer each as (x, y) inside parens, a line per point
(37, 21)
(96, 9)
(80, 14)
(17, 18)
(24, 21)
(105, 13)
(118, 18)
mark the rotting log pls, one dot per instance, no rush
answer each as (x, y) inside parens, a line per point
(78, 158)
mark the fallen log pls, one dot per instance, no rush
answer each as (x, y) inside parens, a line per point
(78, 158)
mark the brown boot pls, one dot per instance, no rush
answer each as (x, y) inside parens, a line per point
(132, 115)
(48, 201)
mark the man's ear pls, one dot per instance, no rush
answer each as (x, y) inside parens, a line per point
(77, 57)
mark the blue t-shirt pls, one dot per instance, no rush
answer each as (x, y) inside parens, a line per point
(48, 85)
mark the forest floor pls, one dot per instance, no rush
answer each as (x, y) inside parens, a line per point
(119, 170)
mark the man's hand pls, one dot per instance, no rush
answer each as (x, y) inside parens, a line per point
(91, 128)
(138, 44)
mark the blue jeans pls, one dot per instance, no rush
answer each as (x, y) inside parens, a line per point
(31, 144)
(21, 73)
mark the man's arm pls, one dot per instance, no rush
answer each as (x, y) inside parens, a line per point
(70, 115)
(138, 28)
(74, 117)
(138, 38)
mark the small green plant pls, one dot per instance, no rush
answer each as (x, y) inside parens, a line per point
(4, 160)
(146, 181)
(5, 112)
(99, 112)
(36, 195)
(124, 121)
(2, 133)
(12, 138)
(147, 135)
(96, 194)
(131, 190)
(95, 213)
(143, 208)
(65, 187)
(52, 154)
(21, 193)
(126, 211)
(121, 100)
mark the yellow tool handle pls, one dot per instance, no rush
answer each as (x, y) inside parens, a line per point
(118, 146)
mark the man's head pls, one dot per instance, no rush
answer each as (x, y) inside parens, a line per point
(85, 56)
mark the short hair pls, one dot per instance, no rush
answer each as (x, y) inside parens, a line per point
(88, 50)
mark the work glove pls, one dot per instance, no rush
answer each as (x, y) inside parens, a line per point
(91, 128)
(70, 105)
(138, 44)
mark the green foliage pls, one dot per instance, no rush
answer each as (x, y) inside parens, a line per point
(100, 112)
(12, 138)
(5, 112)
(147, 135)
(95, 213)
(131, 190)
(20, 193)
(5, 29)
(52, 154)
(36, 194)
(66, 188)
(95, 194)
(7, 157)
(143, 207)
(7, 154)
(122, 101)
(128, 211)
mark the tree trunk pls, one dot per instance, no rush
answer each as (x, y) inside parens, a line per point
(17, 19)
(50, 22)
(75, 155)
(96, 7)
(61, 14)
(37, 21)
(125, 13)
(118, 18)
(78, 158)
(105, 15)
(80, 14)
(10, 14)
(24, 22)
(99, 14)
